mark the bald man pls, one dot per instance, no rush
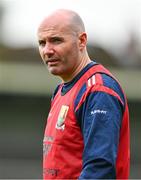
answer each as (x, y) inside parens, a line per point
(87, 131)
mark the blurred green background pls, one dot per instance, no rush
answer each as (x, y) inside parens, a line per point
(25, 93)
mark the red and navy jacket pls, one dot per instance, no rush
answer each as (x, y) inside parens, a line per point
(87, 132)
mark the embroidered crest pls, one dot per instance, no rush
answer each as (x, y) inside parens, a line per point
(61, 118)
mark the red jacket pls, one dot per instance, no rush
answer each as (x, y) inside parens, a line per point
(63, 139)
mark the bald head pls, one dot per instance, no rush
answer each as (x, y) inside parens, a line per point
(64, 17)
(62, 43)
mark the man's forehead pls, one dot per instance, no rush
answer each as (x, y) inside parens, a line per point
(54, 29)
(52, 25)
(50, 32)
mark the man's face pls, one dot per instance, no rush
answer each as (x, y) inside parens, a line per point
(59, 49)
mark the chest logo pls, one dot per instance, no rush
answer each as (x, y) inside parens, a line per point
(61, 118)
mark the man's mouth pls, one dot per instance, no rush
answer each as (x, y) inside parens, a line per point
(52, 61)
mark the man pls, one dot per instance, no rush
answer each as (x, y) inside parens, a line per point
(87, 132)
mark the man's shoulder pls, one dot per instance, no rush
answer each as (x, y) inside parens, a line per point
(100, 83)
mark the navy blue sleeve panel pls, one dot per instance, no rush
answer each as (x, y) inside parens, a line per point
(100, 120)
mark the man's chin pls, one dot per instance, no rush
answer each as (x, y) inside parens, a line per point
(54, 71)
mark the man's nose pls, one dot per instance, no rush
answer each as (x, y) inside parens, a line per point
(48, 49)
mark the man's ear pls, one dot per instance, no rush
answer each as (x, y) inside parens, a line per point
(82, 40)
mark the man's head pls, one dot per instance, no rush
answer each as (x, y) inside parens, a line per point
(62, 43)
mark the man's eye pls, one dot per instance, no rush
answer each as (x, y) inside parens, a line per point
(42, 43)
(56, 40)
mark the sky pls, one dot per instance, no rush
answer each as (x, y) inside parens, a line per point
(108, 22)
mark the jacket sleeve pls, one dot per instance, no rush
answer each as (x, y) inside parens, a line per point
(99, 118)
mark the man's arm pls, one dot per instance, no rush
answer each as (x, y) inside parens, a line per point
(100, 117)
